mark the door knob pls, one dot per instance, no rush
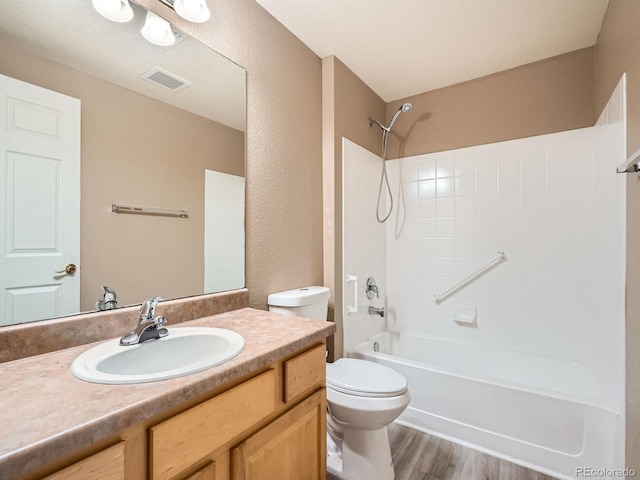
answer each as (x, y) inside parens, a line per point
(69, 269)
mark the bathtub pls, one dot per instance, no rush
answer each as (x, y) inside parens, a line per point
(540, 412)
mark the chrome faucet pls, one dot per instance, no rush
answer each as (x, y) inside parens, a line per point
(150, 327)
(376, 311)
(109, 299)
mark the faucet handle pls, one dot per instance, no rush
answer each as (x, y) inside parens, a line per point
(109, 299)
(372, 288)
(148, 308)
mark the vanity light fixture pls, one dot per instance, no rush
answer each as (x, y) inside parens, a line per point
(157, 31)
(115, 10)
(193, 10)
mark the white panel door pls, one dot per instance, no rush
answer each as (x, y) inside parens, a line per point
(223, 232)
(40, 209)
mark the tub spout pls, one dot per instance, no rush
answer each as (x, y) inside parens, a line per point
(376, 311)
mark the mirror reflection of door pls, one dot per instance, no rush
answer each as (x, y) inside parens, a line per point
(40, 188)
(223, 231)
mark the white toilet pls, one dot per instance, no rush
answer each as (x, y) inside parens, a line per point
(362, 399)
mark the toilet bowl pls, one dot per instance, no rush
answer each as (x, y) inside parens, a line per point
(363, 397)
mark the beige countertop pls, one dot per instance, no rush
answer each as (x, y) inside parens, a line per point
(46, 413)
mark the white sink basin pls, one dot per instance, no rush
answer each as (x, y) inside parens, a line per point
(184, 351)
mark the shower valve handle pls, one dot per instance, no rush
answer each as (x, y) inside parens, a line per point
(372, 288)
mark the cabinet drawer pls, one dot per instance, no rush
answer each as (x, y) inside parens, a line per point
(304, 372)
(183, 440)
(105, 465)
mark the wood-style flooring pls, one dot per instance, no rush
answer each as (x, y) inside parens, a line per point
(420, 456)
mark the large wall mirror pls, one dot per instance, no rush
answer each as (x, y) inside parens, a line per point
(142, 143)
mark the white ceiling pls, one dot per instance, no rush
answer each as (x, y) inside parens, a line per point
(402, 48)
(72, 33)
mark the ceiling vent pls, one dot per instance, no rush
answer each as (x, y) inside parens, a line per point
(165, 79)
(168, 2)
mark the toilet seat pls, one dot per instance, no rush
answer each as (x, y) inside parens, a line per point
(363, 378)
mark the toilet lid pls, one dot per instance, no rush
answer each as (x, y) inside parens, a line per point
(364, 378)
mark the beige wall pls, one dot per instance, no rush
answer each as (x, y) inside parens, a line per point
(284, 144)
(618, 51)
(548, 96)
(347, 106)
(140, 151)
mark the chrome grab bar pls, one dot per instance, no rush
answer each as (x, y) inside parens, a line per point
(500, 258)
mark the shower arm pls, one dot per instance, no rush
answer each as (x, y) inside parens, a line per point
(372, 121)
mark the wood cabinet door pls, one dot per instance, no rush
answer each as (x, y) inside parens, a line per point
(181, 442)
(292, 447)
(206, 473)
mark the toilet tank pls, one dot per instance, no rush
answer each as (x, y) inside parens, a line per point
(308, 302)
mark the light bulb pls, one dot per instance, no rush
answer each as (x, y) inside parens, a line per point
(115, 10)
(157, 31)
(112, 5)
(192, 6)
(192, 10)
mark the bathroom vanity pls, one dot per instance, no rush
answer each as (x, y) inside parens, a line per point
(261, 415)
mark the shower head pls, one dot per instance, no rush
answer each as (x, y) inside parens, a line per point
(405, 107)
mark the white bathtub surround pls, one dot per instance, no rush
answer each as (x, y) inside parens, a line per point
(539, 376)
(555, 205)
(363, 242)
(546, 202)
